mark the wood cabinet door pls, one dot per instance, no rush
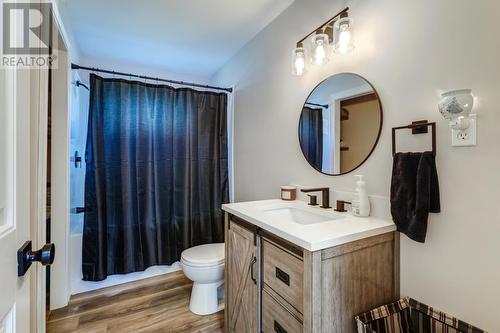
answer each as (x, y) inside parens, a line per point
(241, 308)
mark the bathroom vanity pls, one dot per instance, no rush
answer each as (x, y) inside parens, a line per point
(294, 268)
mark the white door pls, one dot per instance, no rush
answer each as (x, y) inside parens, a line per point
(17, 305)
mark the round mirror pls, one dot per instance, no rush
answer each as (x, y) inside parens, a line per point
(340, 124)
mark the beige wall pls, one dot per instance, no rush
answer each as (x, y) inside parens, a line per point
(409, 50)
(359, 133)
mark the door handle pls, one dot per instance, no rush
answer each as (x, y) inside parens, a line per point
(254, 260)
(25, 256)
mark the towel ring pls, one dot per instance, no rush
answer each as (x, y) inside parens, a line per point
(417, 127)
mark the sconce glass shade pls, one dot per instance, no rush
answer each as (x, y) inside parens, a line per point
(299, 60)
(320, 45)
(343, 36)
(456, 103)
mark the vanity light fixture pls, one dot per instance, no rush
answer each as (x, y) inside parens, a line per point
(337, 30)
(456, 106)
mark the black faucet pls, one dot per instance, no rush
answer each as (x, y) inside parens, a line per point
(325, 195)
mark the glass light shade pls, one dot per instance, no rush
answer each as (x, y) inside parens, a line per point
(343, 36)
(320, 45)
(299, 61)
(456, 103)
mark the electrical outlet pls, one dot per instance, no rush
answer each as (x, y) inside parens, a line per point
(466, 137)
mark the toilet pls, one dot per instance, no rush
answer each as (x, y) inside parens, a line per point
(204, 265)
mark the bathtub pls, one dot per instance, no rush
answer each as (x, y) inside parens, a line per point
(79, 286)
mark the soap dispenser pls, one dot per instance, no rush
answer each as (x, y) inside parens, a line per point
(360, 203)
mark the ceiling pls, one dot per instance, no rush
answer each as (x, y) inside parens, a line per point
(195, 37)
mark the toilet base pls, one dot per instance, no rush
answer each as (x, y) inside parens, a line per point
(205, 298)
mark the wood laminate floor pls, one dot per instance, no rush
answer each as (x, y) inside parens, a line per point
(158, 304)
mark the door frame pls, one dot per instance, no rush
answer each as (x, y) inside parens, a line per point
(39, 114)
(39, 107)
(60, 289)
(38, 180)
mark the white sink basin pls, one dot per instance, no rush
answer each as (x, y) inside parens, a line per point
(312, 228)
(297, 215)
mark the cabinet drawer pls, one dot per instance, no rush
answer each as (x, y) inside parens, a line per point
(283, 272)
(276, 319)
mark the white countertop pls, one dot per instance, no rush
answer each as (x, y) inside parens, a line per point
(341, 228)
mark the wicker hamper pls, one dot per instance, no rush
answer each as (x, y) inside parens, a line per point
(410, 316)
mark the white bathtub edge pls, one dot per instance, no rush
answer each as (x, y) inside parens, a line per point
(79, 286)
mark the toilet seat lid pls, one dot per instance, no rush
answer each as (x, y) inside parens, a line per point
(201, 255)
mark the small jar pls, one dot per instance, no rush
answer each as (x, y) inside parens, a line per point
(288, 193)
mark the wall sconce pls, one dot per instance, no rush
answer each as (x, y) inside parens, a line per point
(456, 107)
(337, 29)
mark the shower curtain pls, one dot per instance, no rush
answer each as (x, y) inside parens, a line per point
(156, 174)
(311, 135)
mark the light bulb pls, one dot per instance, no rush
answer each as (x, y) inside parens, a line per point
(344, 41)
(343, 38)
(299, 60)
(320, 45)
(299, 65)
(319, 54)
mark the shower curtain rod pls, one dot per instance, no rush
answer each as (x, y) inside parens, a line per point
(75, 66)
(321, 105)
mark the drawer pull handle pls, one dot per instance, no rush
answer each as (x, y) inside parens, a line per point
(282, 276)
(278, 328)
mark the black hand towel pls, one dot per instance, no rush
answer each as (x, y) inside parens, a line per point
(414, 192)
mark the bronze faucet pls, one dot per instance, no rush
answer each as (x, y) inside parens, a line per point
(325, 195)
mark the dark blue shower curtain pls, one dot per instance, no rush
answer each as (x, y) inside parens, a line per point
(311, 136)
(156, 177)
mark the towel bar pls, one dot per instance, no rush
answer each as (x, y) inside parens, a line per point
(417, 128)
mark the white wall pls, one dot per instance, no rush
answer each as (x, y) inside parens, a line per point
(78, 142)
(60, 9)
(409, 51)
(127, 67)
